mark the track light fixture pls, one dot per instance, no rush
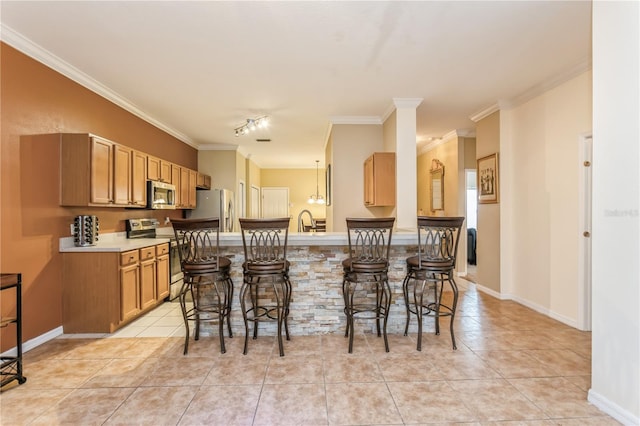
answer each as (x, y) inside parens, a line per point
(252, 124)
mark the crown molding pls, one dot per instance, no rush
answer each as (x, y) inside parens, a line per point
(534, 91)
(484, 112)
(390, 109)
(433, 143)
(407, 102)
(545, 86)
(37, 52)
(220, 147)
(355, 119)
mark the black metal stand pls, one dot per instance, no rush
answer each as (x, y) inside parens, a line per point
(11, 366)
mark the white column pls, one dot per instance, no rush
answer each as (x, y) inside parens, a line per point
(406, 162)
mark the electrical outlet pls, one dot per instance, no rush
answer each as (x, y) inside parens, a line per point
(71, 229)
(167, 220)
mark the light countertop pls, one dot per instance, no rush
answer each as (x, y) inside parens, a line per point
(114, 242)
(118, 241)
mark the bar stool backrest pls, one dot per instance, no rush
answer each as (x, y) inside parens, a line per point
(369, 240)
(198, 243)
(438, 241)
(265, 241)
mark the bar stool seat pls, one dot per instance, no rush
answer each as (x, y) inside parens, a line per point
(429, 270)
(208, 268)
(366, 269)
(207, 276)
(265, 294)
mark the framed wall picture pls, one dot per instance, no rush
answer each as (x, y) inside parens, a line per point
(328, 184)
(488, 179)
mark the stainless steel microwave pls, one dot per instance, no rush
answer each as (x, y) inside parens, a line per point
(161, 195)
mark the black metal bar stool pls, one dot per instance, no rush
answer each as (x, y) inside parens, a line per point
(428, 271)
(265, 282)
(207, 279)
(366, 268)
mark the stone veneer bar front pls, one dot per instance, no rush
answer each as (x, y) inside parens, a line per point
(316, 277)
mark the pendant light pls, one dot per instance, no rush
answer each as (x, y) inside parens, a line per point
(316, 199)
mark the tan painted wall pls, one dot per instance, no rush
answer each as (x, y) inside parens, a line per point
(328, 157)
(352, 144)
(447, 153)
(488, 233)
(390, 133)
(221, 166)
(37, 100)
(541, 213)
(469, 153)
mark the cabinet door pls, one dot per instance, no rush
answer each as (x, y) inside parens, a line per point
(204, 181)
(380, 179)
(165, 171)
(175, 181)
(147, 283)
(162, 277)
(122, 171)
(193, 180)
(153, 168)
(368, 181)
(139, 179)
(184, 187)
(101, 171)
(129, 292)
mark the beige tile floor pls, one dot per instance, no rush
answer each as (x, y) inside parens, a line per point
(513, 366)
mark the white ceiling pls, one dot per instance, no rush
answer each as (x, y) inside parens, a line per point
(200, 69)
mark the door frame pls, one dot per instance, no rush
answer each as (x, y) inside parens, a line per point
(585, 206)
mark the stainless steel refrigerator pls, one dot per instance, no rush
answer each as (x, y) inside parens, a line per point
(215, 203)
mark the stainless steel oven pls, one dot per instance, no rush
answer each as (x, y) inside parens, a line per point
(147, 228)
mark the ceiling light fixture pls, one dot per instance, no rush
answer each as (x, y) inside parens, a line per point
(316, 199)
(252, 124)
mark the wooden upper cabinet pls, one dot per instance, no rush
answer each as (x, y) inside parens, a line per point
(94, 171)
(101, 169)
(184, 188)
(204, 181)
(193, 179)
(158, 169)
(175, 181)
(165, 171)
(139, 179)
(380, 179)
(122, 175)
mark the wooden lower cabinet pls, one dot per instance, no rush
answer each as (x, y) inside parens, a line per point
(103, 291)
(162, 271)
(147, 277)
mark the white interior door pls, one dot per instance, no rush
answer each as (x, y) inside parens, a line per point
(275, 202)
(255, 202)
(242, 200)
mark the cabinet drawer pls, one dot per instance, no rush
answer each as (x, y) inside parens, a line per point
(129, 257)
(147, 253)
(162, 249)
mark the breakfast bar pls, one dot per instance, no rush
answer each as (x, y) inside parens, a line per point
(316, 276)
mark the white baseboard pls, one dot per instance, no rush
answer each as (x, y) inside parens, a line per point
(612, 409)
(490, 292)
(544, 311)
(35, 342)
(538, 308)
